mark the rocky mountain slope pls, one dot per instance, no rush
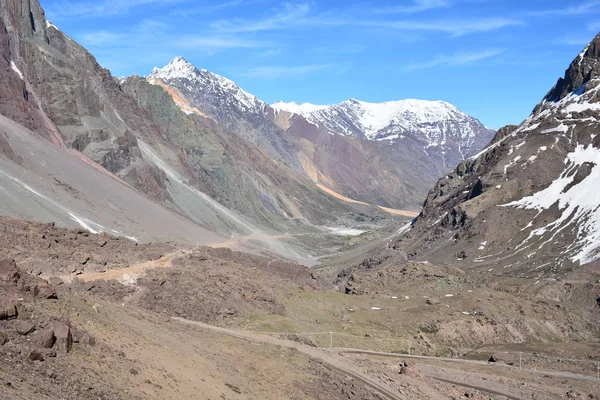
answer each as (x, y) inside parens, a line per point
(439, 127)
(355, 163)
(80, 139)
(527, 204)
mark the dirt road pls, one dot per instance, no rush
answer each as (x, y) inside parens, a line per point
(131, 271)
(558, 374)
(315, 353)
(334, 358)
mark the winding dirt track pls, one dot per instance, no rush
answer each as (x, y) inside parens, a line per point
(315, 353)
(133, 270)
(569, 375)
(331, 357)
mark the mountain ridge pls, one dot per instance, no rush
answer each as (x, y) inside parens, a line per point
(310, 148)
(527, 203)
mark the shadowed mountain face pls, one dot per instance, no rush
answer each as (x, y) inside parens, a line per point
(132, 134)
(385, 154)
(529, 203)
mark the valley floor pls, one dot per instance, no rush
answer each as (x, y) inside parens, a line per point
(212, 323)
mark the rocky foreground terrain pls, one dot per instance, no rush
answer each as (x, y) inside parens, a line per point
(95, 316)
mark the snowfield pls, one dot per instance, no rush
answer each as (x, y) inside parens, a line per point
(580, 205)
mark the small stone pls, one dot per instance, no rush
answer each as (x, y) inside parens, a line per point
(36, 356)
(3, 339)
(24, 327)
(83, 337)
(55, 281)
(49, 352)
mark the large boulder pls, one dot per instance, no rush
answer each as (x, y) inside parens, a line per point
(44, 339)
(9, 274)
(24, 327)
(8, 312)
(36, 356)
(64, 337)
(44, 290)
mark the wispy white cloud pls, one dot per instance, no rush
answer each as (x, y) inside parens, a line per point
(150, 35)
(574, 41)
(350, 48)
(209, 8)
(299, 16)
(216, 42)
(278, 71)
(455, 27)
(291, 14)
(456, 59)
(580, 9)
(415, 7)
(594, 26)
(90, 9)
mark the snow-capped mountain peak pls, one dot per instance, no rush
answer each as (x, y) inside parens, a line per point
(435, 122)
(176, 68)
(197, 81)
(295, 108)
(436, 127)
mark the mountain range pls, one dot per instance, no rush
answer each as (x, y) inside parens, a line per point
(192, 144)
(528, 203)
(383, 154)
(159, 233)
(188, 142)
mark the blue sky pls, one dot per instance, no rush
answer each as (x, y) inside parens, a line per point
(494, 59)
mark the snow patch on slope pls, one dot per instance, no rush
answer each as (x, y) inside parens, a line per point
(16, 69)
(51, 25)
(580, 204)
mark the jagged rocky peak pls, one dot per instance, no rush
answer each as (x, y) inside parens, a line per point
(529, 202)
(582, 70)
(176, 68)
(201, 86)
